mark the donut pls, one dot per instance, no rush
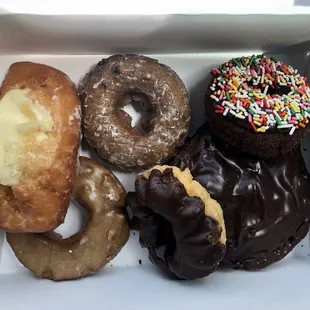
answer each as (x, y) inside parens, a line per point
(49, 256)
(180, 224)
(155, 90)
(258, 105)
(39, 140)
(266, 203)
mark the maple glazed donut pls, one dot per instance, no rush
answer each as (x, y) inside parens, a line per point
(259, 105)
(49, 256)
(153, 89)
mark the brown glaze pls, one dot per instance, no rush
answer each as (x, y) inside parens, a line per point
(155, 90)
(49, 256)
(180, 238)
(266, 204)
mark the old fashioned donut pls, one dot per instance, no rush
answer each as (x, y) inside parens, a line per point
(49, 256)
(40, 120)
(154, 89)
(180, 224)
(258, 105)
(266, 203)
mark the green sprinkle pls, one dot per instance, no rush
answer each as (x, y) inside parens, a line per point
(303, 113)
(243, 62)
(274, 59)
(251, 60)
(236, 63)
(278, 120)
(227, 96)
(292, 111)
(286, 100)
(252, 99)
(251, 111)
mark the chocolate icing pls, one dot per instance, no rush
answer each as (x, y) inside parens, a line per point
(266, 204)
(180, 238)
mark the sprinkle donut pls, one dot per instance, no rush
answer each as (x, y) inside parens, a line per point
(153, 89)
(259, 105)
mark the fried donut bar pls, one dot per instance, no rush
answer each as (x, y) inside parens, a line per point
(154, 89)
(180, 224)
(39, 202)
(51, 257)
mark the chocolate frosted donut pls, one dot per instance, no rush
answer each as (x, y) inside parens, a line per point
(155, 90)
(258, 105)
(266, 204)
(180, 224)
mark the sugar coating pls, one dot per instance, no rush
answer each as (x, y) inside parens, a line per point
(119, 143)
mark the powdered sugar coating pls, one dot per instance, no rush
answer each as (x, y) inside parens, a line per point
(103, 93)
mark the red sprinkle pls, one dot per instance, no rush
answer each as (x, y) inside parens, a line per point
(253, 126)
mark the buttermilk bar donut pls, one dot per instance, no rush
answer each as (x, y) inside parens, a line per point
(180, 224)
(154, 89)
(49, 256)
(39, 140)
(266, 203)
(258, 105)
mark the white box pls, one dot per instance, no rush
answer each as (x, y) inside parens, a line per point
(191, 45)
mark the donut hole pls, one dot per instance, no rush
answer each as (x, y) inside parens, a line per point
(135, 112)
(76, 220)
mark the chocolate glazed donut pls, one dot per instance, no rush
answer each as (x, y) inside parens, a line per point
(265, 203)
(155, 90)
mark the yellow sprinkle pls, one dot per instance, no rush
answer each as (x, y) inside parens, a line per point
(276, 109)
(299, 82)
(291, 96)
(213, 97)
(218, 92)
(249, 78)
(261, 129)
(232, 85)
(250, 94)
(240, 90)
(294, 108)
(257, 123)
(233, 91)
(278, 106)
(282, 79)
(285, 117)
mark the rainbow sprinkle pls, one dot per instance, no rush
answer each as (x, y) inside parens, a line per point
(246, 88)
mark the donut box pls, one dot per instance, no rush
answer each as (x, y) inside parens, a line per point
(74, 41)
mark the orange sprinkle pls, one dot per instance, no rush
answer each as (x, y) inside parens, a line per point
(270, 77)
(302, 125)
(300, 91)
(285, 71)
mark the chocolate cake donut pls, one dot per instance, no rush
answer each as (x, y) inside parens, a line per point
(258, 105)
(180, 224)
(152, 88)
(266, 204)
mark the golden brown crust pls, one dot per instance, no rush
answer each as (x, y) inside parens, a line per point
(39, 203)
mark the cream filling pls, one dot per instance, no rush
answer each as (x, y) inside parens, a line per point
(19, 118)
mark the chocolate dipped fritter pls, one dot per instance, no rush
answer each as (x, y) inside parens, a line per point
(180, 224)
